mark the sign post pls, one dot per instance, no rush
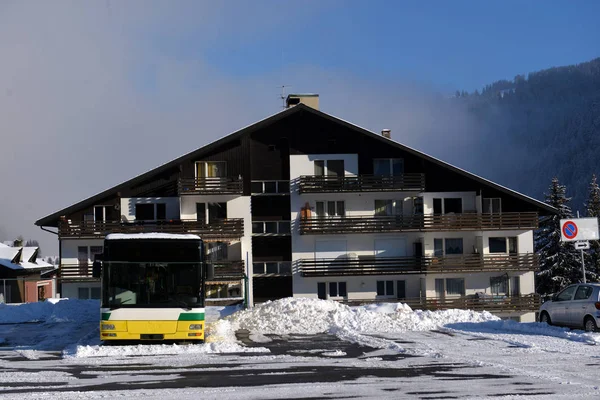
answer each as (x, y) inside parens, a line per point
(580, 231)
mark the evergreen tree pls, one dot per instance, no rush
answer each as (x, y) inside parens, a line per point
(592, 207)
(559, 261)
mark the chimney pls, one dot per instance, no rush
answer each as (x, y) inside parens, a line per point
(386, 133)
(309, 99)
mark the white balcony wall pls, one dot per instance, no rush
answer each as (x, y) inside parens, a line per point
(358, 287)
(128, 206)
(69, 249)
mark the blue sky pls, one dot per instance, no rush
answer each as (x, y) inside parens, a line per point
(93, 93)
(448, 44)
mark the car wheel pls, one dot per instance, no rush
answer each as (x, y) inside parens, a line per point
(590, 325)
(545, 317)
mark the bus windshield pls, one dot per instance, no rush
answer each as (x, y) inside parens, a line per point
(156, 273)
(152, 285)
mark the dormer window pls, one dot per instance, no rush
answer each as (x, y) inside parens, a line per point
(211, 169)
(388, 166)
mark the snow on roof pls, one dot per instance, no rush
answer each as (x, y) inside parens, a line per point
(27, 253)
(150, 235)
(3, 245)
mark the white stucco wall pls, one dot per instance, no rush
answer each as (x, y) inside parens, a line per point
(69, 248)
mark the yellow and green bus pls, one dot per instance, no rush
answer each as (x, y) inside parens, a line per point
(153, 287)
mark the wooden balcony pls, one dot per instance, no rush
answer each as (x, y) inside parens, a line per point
(361, 183)
(371, 265)
(496, 304)
(223, 270)
(231, 228)
(227, 270)
(225, 185)
(418, 223)
(76, 272)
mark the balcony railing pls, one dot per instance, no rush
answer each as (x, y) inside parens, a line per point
(231, 228)
(76, 272)
(498, 304)
(225, 185)
(361, 183)
(416, 222)
(227, 269)
(223, 270)
(371, 265)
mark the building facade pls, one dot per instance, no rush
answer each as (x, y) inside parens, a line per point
(305, 204)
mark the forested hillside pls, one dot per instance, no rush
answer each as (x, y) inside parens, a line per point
(540, 126)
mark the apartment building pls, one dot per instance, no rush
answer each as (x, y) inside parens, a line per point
(305, 204)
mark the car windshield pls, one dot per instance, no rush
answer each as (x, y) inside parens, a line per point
(152, 285)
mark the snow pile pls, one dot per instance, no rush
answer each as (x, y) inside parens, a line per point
(532, 328)
(159, 350)
(51, 311)
(312, 316)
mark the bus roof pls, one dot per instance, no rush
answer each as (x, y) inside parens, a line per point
(151, 235)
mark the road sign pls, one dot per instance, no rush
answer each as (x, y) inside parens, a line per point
(578, 229)
(582, 245)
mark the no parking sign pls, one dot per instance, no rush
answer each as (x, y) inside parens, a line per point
(578, 229)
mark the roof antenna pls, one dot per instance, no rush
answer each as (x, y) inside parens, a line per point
(282, 96)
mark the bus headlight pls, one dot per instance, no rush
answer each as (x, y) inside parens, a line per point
(195, 327)
(106, 327)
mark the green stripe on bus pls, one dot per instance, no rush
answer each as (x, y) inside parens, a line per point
(105, 316)
(191, 317)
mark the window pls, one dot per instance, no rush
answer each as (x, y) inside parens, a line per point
(388, 166)
(95, 250)
(440, 288)
(583, 292)
(271, 227)
(499, 284)
(497, 245)
(95, 293)
(329, 168)
(331, 289)
(82, 256)
(567, 294)
(388, 207)
(385, 288)
(438, 247)
(216, 251)
(455, 286)
(453, 205)
(330, 209)
(492, 205)
(101, 213)
(83, 293)
(454, 246)
(213, 213)
(503, 245)
(401, 290)
(211, 169)
(437, 206)
(516, 286)
(270, 187)
(161, 211)
(144, 212)
(319, 167)
(418, 205)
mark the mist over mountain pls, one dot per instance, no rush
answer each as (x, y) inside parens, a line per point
(539, 126)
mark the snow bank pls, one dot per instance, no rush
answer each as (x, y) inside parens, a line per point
(311, 316)
(160, 349)
(532, 328)
(51, 311)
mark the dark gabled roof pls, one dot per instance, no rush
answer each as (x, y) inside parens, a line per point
(51, 219)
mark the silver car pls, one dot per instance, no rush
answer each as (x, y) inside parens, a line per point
(577, 306)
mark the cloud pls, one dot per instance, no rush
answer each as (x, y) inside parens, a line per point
(92, 94)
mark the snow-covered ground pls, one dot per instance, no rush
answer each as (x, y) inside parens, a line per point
(284, 345)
